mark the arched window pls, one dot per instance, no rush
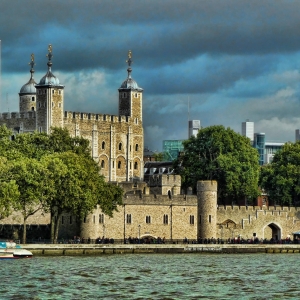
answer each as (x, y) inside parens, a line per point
(135, 165)
(119, 165)
(148, 219)
(120, 146)
(102, 163)
(32, 99)
(136, 147)
(32, 108)
(103, 145)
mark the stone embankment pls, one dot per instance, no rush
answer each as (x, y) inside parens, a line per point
(96, 249)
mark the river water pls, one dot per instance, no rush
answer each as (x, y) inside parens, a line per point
(152, 276)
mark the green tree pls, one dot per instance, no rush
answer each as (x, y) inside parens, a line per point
(281, 178)
(9, 193)
(32, 179)
(79, 188)
(225, 156)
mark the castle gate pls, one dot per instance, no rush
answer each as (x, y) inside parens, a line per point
(272, 230)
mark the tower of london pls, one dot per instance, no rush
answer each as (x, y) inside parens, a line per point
(116, 141)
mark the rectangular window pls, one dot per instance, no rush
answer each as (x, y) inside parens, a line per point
(128, 218)
(192, 220)
(84, 220)
(148, 219)
(166, 219)
(101, 218)
(94, 219)
(209, 218)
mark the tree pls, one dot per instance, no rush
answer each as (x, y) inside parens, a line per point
(79, 188)
(9, 192)
(223, 155)
(32, 179)
(281, 178)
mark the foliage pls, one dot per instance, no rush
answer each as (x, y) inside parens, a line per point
(53, 173)
(281, 178)
(9, 192)
(32, 179)
(223, 155)
(78, 187)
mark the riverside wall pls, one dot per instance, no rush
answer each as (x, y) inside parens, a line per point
(95, 249)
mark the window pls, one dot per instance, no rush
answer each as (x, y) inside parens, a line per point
(192, 220)
(103, 145)
(52, 92)
(102, 163)
(148, 219)
(84, 220)
(165, 220)
(32, 108)
(70, 219)
(32, 99)
(135, 165)
(101, 218)
(119, 165)
(136, 147)
(94, 219)
(128, 218)
(59, 92)
(120, 146)
(209, 218)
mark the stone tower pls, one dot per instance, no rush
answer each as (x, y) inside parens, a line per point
(130, 106)
(130, 96)
(27, 95)
(50, 100)
(207, 208)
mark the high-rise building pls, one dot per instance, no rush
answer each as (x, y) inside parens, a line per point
(194, 126)
(297, 135)
(248, 130)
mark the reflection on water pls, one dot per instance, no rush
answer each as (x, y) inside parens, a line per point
(152, 276)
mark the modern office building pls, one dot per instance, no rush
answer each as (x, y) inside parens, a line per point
(194, 126)
(248, 130)
(171, 149)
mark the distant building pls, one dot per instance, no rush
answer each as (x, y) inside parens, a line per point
(194, 126)
(270, 149)
(259, 144)
(172, 148)
(248, 130)
(297, 135)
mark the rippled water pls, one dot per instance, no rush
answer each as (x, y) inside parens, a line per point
(152, 276)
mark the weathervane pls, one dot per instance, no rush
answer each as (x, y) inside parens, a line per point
(32, 61)
(49, 55)
(129, 60)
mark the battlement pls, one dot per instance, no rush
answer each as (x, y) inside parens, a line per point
(71, 116)
(165, 179)
(258, 208)
(178, 200)
(17, 115)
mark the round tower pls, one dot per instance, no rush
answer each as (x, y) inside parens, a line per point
(207, 208)
(27, 95)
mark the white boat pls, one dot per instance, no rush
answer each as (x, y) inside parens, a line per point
(10, 250)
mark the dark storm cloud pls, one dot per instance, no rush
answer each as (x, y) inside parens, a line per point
(95, 33)
(234, 60)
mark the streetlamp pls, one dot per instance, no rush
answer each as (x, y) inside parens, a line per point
(139, 232)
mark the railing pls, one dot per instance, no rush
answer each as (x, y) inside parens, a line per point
(159, 241)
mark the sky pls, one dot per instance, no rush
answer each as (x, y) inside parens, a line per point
(220, 62)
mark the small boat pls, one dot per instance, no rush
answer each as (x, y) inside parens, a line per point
(10, 250)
